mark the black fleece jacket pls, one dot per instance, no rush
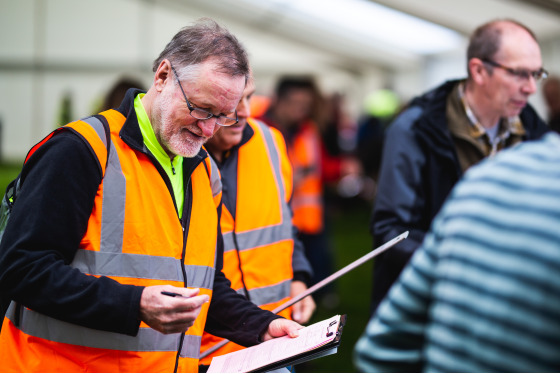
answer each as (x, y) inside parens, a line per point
(50, 218)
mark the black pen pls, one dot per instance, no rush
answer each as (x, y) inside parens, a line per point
(173, 294)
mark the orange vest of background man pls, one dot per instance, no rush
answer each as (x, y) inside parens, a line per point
(258, 242)
(305, 151)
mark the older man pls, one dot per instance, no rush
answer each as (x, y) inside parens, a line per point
(112, 255)
(447, 130)
(263, 258)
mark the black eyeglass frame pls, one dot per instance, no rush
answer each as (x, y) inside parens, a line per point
(519, 73)
(208, 114)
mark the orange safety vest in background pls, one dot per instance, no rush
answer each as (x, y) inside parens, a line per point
(307, 203)
(258, 243)
(134, 236)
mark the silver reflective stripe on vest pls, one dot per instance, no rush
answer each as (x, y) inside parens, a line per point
(114, 195)
(216, 181)
(275, 161)
(98, 127)
(229, 244)
(142, 266)
(113, 208)
(270, 234)
(147, 339)
(200, 276)
(269, 294)
(191, 346)
(259, 237)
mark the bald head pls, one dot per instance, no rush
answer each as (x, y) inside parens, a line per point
(488, 40)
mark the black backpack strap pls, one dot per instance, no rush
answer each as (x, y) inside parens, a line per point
(107, 135)
(101, 119)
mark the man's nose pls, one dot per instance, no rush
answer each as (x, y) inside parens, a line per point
(530, 85)
(207, 126)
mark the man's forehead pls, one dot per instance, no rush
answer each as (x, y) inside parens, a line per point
(520, 57)
(215, 89)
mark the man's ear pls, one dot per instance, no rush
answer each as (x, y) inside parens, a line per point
(478, 71)
(162, 75)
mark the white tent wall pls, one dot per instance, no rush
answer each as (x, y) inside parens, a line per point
(52, 48)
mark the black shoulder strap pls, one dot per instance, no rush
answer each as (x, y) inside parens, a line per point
(105, 124)
(101, 119)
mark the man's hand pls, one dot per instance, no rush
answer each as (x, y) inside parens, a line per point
(168, 314)
(302, 310)
(280, 327)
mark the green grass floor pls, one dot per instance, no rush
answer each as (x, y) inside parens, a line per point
(349, 240)
(8, 171)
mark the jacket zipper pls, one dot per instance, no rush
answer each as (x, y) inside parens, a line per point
(185, 223)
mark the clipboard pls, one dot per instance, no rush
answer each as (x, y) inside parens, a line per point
(325, 350)
(318, 340)
(322, 283)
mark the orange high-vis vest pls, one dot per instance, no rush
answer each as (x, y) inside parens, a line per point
(258, 243)
(307, 203)
(134, 236)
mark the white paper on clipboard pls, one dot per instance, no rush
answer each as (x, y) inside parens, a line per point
(310, 340)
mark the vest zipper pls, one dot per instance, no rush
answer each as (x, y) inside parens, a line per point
(185, 222)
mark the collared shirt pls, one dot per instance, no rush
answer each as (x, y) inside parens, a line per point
(173, 168)
(505, 126)
(472, 141)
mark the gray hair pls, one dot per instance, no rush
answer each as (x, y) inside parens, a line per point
(202, 41)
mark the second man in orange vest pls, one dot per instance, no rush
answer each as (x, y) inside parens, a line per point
(262, 258)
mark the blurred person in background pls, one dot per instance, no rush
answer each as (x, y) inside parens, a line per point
(295, 110)
(114, 97)
(263, 258)
(379, 109)
(342, 171)
(447, 130)
(482, 293)
(551, 93)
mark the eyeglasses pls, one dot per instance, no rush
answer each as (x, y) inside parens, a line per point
(204, 114)
(522, 74)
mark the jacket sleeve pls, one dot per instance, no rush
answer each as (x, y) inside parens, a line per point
(400, 198)
(399, 204)
(300, 264)
(47, 223)
(533, 124)
(231, 315)
(394, 338)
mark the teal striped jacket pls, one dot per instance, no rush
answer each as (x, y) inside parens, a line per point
(482, 294)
